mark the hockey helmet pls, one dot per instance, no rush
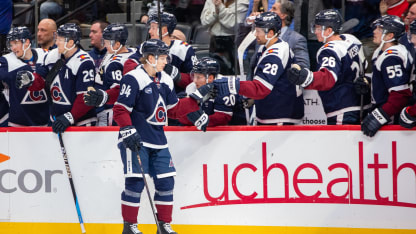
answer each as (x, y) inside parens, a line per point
(328, 18)
(167, 19)
(390, 24)
(207, 66)
(70, 31)
(19, 33)
(268, 20)
(116, 32)
(154, 47)
(412, 27)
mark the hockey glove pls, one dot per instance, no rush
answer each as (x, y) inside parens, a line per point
(24, 79)
(227, 86)
(202, 93)
(131, 138)
(406, 120)
(361, 85)
(373, 122)
(173, 72)
(299, 76)
(95, 97)
(199, 118)
(62, 122)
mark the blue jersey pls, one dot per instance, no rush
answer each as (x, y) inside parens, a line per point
(76, 75)
(148, 99)
(27, 108)
(4, 108)
(391, 72)
(285, 102)
(345, 61)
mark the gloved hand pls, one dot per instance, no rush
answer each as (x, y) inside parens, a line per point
(131, 138)
(199, 118)
(361, 85)
(24, 79)
(173, 72)
(62, 122)
(406, 120)
(202, 92)
(373, 122)
(95, 97)
(227, 86)
(299, 76)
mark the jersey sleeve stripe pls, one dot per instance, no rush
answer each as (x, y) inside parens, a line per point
(265, 83)
(130, 109)
(399, 88)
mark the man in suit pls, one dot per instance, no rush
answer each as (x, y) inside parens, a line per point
(285, 9)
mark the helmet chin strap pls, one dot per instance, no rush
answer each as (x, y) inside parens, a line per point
(154, 65)
(269, 39)
(66, 48)
(165, 34)
(117, 50)
(25, 50)
(383, 41)
(322, 34)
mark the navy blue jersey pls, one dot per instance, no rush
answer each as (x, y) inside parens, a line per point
(345, 61)
(76, 75)
(148, 99)
(4, 108)
(27, 108)
(285, 102)
(391, 72)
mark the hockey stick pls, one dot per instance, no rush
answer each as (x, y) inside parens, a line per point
(148, 193)
(71, 182)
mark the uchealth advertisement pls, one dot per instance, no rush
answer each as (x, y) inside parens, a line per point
(290, 179)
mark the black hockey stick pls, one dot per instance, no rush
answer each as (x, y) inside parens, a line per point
(52, 74)
(148, 193)
(71, 182)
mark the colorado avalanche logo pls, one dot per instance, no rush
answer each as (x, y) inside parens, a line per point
(58, 96)
(159, 114)
(34, 97)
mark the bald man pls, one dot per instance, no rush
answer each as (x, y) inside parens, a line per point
(178, 35)
(46, 34)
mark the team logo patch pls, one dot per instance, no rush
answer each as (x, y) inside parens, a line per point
(82, 57)
(184, 43)
(34, 97)
(148, 90)
(389, 51)
(57, 94)
(158, 116)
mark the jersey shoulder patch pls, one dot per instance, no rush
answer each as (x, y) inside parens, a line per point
(13, 62)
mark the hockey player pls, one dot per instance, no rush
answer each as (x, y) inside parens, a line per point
(392, 65)
(146, 99)
(408, 114)
(27, 108)
(110, 73)
(277, 101)
(66, 73)
(341, 60)
(182, 55)
(218, 109)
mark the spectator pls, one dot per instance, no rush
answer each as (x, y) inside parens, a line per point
(405, 39)
(341, 61)
(254, 6)
(98, 49)
(277, 101)
(390, 90)
(218, 109)
(46, 34)
(110, 73)
(178, 35)
(220, 16)
(6, 15)
(27, 108)
(75, 72)
(394, 7)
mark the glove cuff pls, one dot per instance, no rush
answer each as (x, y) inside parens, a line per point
(406, 117)
(309, 78)
(380, 116)
(196, 95)
(127, 131)
(105, 97)
(232, 85)
(69, 117)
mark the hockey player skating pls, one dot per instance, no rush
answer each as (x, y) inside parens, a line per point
(392, 65)
(182, 55)
(107, 82)
(219, 109)
(277, 101)
(27, 108)
(75, 73)
(340, 60)
(146, 100)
